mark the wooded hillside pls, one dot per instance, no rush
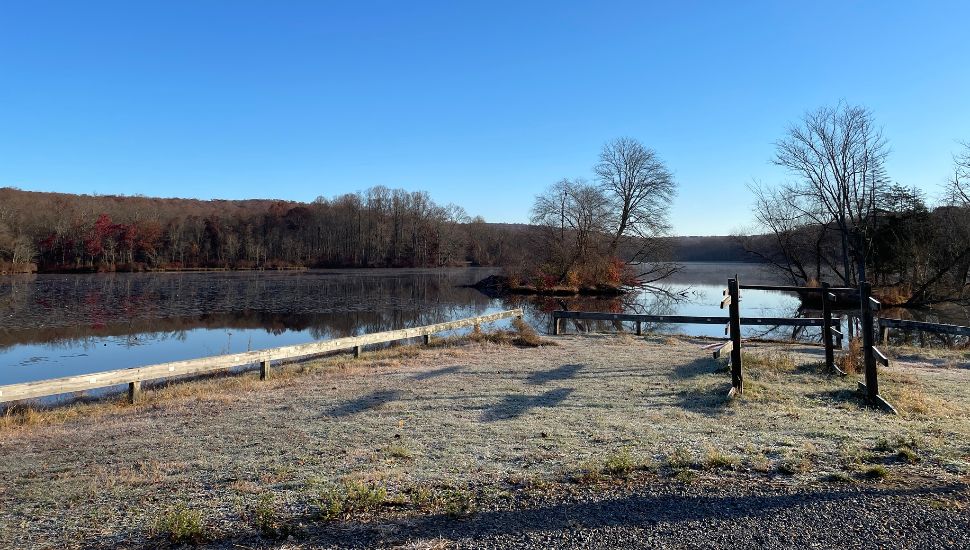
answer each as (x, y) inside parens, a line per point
(379, 227)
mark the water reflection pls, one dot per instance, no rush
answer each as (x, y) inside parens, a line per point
(57, 325)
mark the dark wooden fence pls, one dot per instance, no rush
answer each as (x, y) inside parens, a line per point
(733, 322)
(831, 335)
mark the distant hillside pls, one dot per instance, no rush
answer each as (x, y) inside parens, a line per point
(709, 249)
(378, 227)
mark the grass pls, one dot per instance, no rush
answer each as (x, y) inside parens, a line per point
(458, 503)
(838, 477)
(680, 458)
(181, 525)
(398, 452)
(349, 500)
(413, 431)
(772, 361)
(266, 518)
(522, 335)
(716, 460)
(619, 464)
(851, 361)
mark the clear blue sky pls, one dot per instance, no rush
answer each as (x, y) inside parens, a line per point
(482, 104)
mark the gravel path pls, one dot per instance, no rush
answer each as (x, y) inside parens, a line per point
(675, 516)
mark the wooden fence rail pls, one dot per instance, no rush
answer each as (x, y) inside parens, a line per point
(936, 328)
(135, 376)
(689, 319)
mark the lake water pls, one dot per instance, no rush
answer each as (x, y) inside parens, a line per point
(59, 325)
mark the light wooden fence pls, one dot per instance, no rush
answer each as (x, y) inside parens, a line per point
(136, 375)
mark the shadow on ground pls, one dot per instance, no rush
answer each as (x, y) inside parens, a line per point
(768, 516)
(515, 405)
(437, 372)
(565, 372)
(697, 367)
(370, 401)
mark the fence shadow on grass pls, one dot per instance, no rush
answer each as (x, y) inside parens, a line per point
(365, 402)
(697, 367)
(845, 396)
(564, 372)
(437, 372)
(515, 405)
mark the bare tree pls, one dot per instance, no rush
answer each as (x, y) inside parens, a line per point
(837, 156)
(573, 214)
(960, 182)
(640, 189)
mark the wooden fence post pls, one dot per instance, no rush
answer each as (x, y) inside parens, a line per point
(639, 328)
(734, 311)
(357, 351)
(827, 329)
(263, 370)
(872, 376)
(884, 334)
(427, 339)
(134, 391)
(555, 324)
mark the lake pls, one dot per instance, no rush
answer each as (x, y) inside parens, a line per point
(59, 325)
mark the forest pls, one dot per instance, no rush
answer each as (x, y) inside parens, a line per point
(379, 227)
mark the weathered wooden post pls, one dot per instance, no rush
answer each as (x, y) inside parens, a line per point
(872, 376)
(427, 339)
(134, 391)
(734, 311)
(639, 328)
(357, 351)
(555, 324)
(872, 354)
(264, 369)
(827, 329)
(884, 334)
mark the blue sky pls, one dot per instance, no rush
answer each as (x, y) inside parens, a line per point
(482, 104)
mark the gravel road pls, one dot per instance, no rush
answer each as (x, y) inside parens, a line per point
(676, 516)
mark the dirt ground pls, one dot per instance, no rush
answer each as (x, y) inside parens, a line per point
(465, 427)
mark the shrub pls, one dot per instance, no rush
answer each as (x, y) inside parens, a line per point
(716, 460)
(181, 525)
(349, 499)
(619, 464)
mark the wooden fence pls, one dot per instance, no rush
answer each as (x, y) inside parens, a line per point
(937, 328)
(733, 322)
(732, 299)
(135, 376)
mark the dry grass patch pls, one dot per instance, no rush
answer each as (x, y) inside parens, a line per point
(522, 335)
(349, 500)
(716, 460)
(909, 396)
(180, 525)
(778, 361)
(851, 360)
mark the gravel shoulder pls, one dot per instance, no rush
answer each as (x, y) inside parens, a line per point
(597, 441)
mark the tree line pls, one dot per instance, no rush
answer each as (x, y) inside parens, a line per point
(842, 218)
(379, 227)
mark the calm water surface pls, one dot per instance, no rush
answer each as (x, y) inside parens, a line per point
(58, 325)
